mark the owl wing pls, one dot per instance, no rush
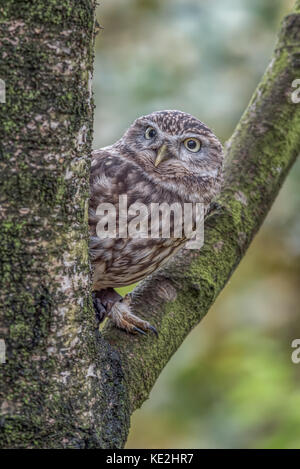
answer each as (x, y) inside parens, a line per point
(111, 176)
(107, 182)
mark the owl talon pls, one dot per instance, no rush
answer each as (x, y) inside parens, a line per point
(136, 329)
(100, 310)
(153, 329)
(121, 315)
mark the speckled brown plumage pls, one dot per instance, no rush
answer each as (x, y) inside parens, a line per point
(128, 167)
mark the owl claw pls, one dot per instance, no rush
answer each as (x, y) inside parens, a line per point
(137, 329)
(100, 311)
(153, 329)
(123, 318)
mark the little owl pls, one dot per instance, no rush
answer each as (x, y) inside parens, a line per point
(166, 156)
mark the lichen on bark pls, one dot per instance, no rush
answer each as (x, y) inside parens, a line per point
(51, 379)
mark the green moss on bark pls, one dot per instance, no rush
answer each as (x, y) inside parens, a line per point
(52, 390)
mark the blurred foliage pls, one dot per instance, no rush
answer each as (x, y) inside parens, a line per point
(232, 383)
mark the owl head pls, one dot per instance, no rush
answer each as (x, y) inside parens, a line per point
(176, 150)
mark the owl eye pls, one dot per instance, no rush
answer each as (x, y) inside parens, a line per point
(192, 144)
(150, 133)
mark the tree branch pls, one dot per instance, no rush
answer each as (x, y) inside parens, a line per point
(259, 156)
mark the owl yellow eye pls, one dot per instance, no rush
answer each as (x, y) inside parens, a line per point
(150, 133)
(192, 144)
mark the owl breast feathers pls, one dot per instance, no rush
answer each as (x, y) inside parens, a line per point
(167, 156)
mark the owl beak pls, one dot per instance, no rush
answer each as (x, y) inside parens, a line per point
(161, 155)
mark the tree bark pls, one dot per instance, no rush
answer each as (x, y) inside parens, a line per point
(64, 385)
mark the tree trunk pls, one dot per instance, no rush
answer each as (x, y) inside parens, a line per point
(48, 387)
(64, 385)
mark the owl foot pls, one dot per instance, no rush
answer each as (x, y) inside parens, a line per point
(100, 311)
(109, 303)
(123, 318)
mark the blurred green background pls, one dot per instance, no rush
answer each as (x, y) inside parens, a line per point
(232, 384)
